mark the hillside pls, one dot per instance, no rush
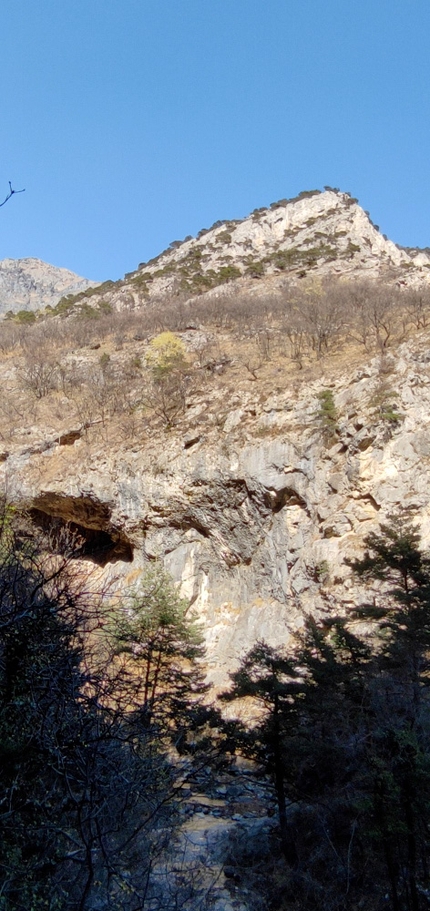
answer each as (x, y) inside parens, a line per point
(242, 413)
(226, 466)
(317, 234)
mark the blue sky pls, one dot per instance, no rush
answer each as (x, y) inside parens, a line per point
(132, 123)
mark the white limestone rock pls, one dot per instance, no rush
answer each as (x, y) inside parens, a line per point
(30, 284)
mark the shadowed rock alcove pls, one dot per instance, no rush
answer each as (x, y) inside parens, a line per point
(84, 521)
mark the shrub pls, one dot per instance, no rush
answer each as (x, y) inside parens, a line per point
(255, 269)
(166, 353)
(25, 316)
(327, 413)
(224, 237)
(39, 375)
(104, 361)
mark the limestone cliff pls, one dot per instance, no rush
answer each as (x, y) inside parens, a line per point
(255, 516)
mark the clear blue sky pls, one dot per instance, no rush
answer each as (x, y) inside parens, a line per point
(132, 123)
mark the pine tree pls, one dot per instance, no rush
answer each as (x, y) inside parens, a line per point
(268, 676)
(346, 737)
(398, 754)
(157, 649)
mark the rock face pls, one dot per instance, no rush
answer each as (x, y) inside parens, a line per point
(253, 519)
(326, 231)
(30, 284)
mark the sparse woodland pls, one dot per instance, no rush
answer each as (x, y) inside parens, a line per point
(97, 370)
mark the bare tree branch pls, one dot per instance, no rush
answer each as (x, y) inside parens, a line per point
(11, 193)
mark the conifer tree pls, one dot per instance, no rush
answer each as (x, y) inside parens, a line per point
(398, 755)
(268, 676)
(157, 649)
(352, 726)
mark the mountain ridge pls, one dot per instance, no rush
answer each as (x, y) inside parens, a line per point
(321, 233)
(317, 233)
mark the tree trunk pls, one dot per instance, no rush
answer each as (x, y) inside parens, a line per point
(288, 847)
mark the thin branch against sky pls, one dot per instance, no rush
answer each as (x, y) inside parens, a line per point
(11, 193)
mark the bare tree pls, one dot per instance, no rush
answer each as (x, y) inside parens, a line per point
(39, 374)
(417, 303)
(322, 317)
(383, 314)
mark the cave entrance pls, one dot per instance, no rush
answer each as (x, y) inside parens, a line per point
(94, 544)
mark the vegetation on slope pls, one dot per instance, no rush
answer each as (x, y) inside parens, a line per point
(98, 372)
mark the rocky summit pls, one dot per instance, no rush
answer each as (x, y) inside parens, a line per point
(316, 234)
(30, 284)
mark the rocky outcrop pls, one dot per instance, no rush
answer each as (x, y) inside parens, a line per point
(30, 284)
(253, 519)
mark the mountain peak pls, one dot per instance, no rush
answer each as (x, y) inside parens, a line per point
(30, 284)
(316, 232)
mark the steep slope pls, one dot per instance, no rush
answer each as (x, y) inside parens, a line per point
(30, 284)
(319, 232)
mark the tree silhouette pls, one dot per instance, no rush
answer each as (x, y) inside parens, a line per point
(345, 734)
(399, 752)
(155, 667)
(268, 676)
(84, 788)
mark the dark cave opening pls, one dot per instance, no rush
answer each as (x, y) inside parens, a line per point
(286, 497)
(94, 544)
